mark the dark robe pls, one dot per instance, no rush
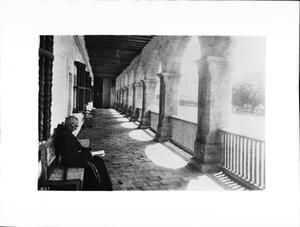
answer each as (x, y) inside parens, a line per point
(96, 176)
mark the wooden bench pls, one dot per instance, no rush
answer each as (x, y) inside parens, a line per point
(88, 121)
(54, 176)
(88, 118)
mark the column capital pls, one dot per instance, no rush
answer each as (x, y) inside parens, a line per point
(129, 86)
(215, 45)
(169, 75)
(140, 84)
(149, 81)
(211, 59)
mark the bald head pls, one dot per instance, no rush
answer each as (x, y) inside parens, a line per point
(72, 123)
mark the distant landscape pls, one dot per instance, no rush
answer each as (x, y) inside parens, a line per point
(252, 125)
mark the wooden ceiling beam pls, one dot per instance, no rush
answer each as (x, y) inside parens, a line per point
(109, 45)
(110, 57)
(119, 38)
(116, 42)
(107, 68)
(115, 64)
(114, 47)
(110, 54)
(105, 75)
(110, 61)
(112, 51)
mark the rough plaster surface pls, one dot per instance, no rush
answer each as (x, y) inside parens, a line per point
(65, 52)
(162, 51)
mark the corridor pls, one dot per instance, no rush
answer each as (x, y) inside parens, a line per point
(136, 162)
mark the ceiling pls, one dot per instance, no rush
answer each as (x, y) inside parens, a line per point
(111, 54)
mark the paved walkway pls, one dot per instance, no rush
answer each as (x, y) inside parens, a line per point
(136, 162)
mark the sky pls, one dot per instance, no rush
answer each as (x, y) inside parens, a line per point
(248, 61)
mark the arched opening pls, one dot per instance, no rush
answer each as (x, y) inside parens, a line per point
(248, 86)
(188, 87)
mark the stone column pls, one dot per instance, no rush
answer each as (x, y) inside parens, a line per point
(168, 104)
(117, 99)
(121, 99)
(214, 103)
(124, 101)
(137, 95)
(129, 100)
(148, 101)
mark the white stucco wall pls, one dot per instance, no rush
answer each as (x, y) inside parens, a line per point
(65, 53)
(112, 94)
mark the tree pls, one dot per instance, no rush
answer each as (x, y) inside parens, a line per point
(247, 96)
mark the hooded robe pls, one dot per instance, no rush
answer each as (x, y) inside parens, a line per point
(73, 154)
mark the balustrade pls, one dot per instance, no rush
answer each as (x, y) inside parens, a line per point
(243, 158)
(183, 133)
(154, 117)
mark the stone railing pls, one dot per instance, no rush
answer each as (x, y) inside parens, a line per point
(243, 158)
(154, 116)
(183, 133)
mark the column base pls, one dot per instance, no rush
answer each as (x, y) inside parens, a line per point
(132, 119)
(135, 115)
(207, 153)
(161, 139)
(204, 167)
(145, 123)
(163, 133)
(123, 110)
(128, 112)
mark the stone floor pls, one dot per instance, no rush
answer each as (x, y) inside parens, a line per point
(136, 162)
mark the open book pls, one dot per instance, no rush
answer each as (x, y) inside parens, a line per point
(100, 152)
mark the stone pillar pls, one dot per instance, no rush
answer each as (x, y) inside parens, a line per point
(136, 97)
(129, 100)
(121, 99)
(117, 99)
(214, 102)
(148, 101)
(168, 104)
(124, 101)
(139, 95)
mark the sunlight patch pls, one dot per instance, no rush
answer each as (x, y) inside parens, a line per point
(117, 115)
(203, 183)
(162, 156)
(123, 119)
(129, 125)
(140, 135)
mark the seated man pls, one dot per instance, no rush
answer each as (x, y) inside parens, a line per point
(96, 176)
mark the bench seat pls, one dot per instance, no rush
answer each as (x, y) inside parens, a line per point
(66, 176)
(88, 121)
(53, 175)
